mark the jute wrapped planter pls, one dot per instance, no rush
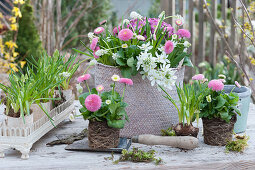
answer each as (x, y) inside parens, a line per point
(148, 110)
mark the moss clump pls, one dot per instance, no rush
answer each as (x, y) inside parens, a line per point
(137, 155)
(237, 145)
(168, 132)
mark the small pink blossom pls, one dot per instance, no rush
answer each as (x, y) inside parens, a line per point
(116, 30)
(103, 22)
(179, 22)
(183, 33)
(169, 47)
(222, 80)
(140, 37)
(126, 81)
(154, 37)
(198, 77)
(216, 85)
(94, 43)
(93, 102)
(125, 34)
(94, 52)
(83, 78)
(237, 84)
(100, 88)
(98, 30)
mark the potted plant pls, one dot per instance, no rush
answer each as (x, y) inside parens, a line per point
(218, 111)
(19, 96)
(188, 106)
(151, 51)
(243, 105)
(105, 112)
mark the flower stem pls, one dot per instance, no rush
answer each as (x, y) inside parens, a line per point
(123, 93)
(87, 86)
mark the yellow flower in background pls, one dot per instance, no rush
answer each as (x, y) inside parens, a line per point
(14, 27)
(22, 63)
(11, 44)
(13, 66)
(15, 54)
(16, 12)
(253, 61)
(1, 26)
(12, 59)
(1, 48)
(13, 20)
(7, 56)
(19, 2)
(1, 15)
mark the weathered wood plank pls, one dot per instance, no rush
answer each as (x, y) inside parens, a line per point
(192, 31)
(201, 38)
(212, 55)
(182, 4)
(224, 5)
(171, 9)
(232, 39)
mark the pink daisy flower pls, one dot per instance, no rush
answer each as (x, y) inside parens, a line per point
(93, 102)
(237, 84)
(198, 77)
(94, 52)
(83, 78)
(125, 34)
(103, 22)
(94, 43)
(183, 33)
(216, 85)
(100, 88)
(98, 30)
(169, 47)
(126, 81)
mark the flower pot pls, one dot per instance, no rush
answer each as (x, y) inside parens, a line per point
(100, 135)
(149, 112)
(244, 94)
(18, 122)
(67, 94)
(218, 132)
(38, 113)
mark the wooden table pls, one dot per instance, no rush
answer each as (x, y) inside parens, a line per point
(203, 157)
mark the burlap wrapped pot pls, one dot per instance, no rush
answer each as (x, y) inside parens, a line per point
(148, 110)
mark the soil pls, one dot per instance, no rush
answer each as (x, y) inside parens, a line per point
(186, 130)
(16, 115)
(56, 103)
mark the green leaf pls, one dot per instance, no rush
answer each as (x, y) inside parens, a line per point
(82, 98)
(94, 91)
(120, 61)
(220, 102)
(105, 95)
(130, 62)
(118, 124)
(187, 62)
(83, 109)
(126, 72)
(113, 107)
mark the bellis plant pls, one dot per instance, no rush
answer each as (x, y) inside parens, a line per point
(100, 105)
(148, 46)
(215, 103)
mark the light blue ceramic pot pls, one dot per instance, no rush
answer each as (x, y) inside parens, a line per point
(244, 94)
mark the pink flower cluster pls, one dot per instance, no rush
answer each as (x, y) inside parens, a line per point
(198, 77)
(83, 78)
(93, 102)
(126, 81)
(125, 34)
(216, 85)
(169, 47)
(183, 33)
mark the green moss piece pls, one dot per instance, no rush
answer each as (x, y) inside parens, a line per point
(237, 145)
(137, 155)
(168, 132)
